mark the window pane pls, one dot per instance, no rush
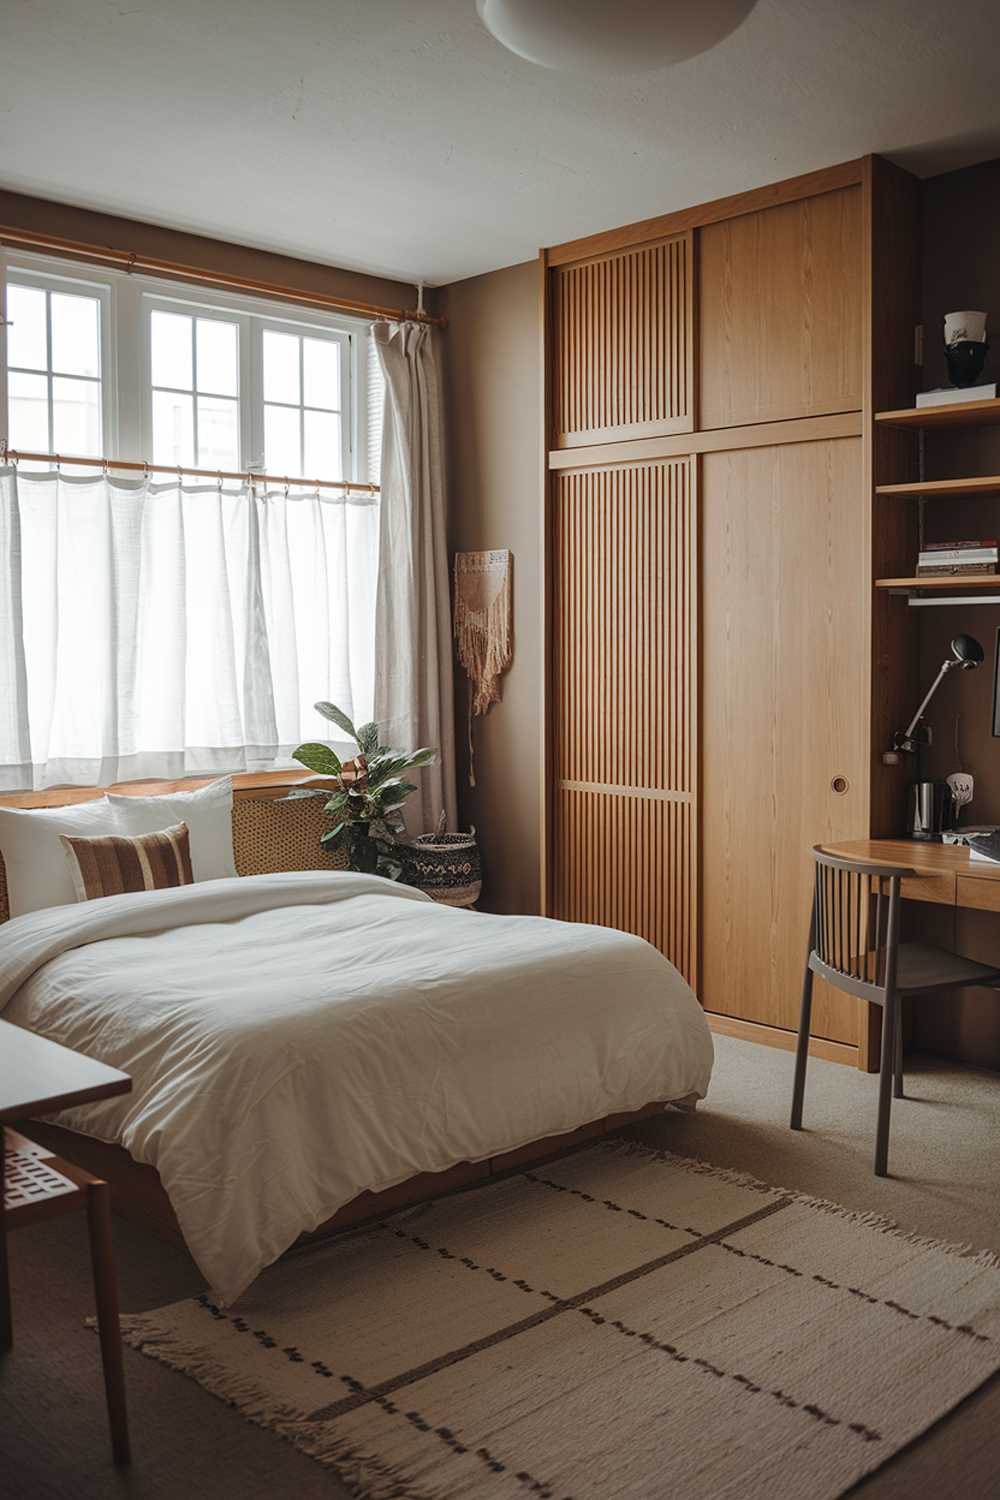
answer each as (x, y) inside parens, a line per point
(281, 367)
(26, 335)
(218, 437)
(173, 428)
(76, 335)
(322, 456)
(321, 369)
(29, 412)
(281, 441)
(217, 357)
(76, 416)
(170, 344)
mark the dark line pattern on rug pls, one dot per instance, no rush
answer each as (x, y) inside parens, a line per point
(650, 1340)
(544, 1315)
(619, 1208)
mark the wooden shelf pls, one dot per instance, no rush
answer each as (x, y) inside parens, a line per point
(951, 581)
(987, 484)
(956, 414)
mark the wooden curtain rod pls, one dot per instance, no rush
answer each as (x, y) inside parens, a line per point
(15, 455)
(50, 244)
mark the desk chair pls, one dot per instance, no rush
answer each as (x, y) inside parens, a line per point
(37, 1185)
(854, 945)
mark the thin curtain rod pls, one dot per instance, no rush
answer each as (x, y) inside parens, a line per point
(248, 476)
(50, 244)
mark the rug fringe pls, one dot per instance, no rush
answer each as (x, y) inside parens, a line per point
(866, 1219)
(365, 1475)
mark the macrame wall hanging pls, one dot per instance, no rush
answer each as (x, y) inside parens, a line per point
(483, 628)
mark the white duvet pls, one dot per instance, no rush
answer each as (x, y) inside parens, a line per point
(294, 1039)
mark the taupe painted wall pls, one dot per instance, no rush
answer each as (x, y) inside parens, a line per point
(493, 384)
(21, 212)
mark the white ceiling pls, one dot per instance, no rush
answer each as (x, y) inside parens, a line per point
(396, 136)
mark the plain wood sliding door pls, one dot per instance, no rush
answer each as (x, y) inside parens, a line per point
(785, 715)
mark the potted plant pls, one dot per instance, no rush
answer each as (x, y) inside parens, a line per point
(367, 803)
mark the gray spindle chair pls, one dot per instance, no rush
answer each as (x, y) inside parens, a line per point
(854, 945)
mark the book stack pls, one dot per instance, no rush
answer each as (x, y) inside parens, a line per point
(953, 394)
(942, 559)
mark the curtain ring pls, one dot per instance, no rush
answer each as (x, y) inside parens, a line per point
(286, 486)
(58, 464)
(104, 467)
(218, 482)
(145, 471)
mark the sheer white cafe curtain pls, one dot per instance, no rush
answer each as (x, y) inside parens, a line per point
(413, 653)
(165, 630)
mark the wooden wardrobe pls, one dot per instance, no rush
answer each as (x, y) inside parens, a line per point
(719, 680)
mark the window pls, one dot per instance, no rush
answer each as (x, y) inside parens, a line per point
(195, 390)
(102, 363)
(55, 367)
(112, 607)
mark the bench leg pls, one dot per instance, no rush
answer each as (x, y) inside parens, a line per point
(802, 1050)
(898, 1053)
(885, 1083)
(6, 1321)
(106, 1293)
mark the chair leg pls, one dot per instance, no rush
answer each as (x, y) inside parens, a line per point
(802, 1050)
(898, 1053)
(109, 1328)
(889, 1021)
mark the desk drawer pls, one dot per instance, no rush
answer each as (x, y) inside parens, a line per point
(937, 886)
(980, 894)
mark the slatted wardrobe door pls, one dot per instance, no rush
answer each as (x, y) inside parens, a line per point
(624, 551)
(622, 345)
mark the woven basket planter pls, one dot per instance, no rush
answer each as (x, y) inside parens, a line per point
(444, 865)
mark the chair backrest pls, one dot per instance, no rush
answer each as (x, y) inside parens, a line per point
(854, 936)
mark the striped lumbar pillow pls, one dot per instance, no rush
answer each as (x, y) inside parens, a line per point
(112, 865)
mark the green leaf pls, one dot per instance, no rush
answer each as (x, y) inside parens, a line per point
(319, 758)
(332, 834)
(301, 792)
(368, 739)
(337, 802)
(337, 716)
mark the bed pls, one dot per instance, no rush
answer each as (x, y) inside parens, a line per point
(299, 1041)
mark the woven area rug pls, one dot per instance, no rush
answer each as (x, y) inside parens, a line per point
(622, 1322)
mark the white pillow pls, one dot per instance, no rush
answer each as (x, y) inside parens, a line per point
(208, 813)
(38, 873)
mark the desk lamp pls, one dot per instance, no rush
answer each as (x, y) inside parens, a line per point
(967, 653)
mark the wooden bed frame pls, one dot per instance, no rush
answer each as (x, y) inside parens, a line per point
(139, 1196)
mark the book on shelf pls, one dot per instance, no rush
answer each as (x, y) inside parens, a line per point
(957, 570)
(950, 395)
(941, 555)
(967, 544)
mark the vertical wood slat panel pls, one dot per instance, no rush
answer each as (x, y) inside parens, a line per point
(624, 625)
(625, 862)
(624, 855)
(621, 336)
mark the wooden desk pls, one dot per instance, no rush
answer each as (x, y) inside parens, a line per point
(945, 874)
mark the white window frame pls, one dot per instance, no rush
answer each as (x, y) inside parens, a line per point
(127, 300)
(70, 280)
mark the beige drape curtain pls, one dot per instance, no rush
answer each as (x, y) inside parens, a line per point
(413, 661)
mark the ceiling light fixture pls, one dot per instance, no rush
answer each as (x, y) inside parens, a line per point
(592, 37)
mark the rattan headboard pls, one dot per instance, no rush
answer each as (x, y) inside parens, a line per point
(268, 835)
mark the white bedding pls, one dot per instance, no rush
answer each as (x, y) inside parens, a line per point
(294, 1039)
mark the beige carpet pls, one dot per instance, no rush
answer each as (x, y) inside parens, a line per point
(622, 1323)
